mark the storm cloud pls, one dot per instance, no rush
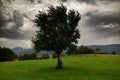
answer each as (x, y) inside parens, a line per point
(105, 22)
(11, 29)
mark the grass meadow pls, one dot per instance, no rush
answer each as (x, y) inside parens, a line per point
(75, 68)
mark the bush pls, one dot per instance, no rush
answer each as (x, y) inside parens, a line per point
(45, 56)
(6, 54)
(54, 55)
(28, 56)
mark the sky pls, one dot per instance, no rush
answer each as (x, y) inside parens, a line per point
(99, 24)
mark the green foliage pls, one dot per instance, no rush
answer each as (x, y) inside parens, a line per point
(6, 54)
(28, 56)
(84, 50)
(75, 68)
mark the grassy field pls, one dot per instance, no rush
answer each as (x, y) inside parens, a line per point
(75, 68)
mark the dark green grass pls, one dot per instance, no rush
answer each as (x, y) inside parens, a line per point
(75, 68)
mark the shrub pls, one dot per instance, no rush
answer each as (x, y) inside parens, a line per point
(54, 55)
(28, 56)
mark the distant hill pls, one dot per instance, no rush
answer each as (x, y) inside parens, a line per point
(107, 48)
(19, 50)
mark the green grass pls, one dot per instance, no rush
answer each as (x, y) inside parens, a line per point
(75, 68)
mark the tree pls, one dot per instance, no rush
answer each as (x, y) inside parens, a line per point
(57, 30)
(97, 49)
(113, 52)
(6, 54)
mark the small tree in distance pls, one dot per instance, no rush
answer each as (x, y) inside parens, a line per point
(113, 52)
(97, 49)
(57, 30)
(71, 49)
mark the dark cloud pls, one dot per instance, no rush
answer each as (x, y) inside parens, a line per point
(27, 16)
(2, 20)
(109, 0)
(39, 1)
(88, 1)
(10, 34)
(9, 1)
(31, 1)
(104, 33)
(1, 15)
(102, 21)
(104, 25)
(64, 0)
(14, 31)
(95, 1)
(98, 19)
(17, 18)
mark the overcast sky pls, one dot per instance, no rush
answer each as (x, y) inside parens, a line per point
(99, 24)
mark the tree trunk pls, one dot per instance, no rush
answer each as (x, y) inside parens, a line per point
(59, 64)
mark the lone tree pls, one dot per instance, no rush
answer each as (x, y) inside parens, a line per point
(57, 30)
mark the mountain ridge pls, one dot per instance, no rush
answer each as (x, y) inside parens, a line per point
(108, 48)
